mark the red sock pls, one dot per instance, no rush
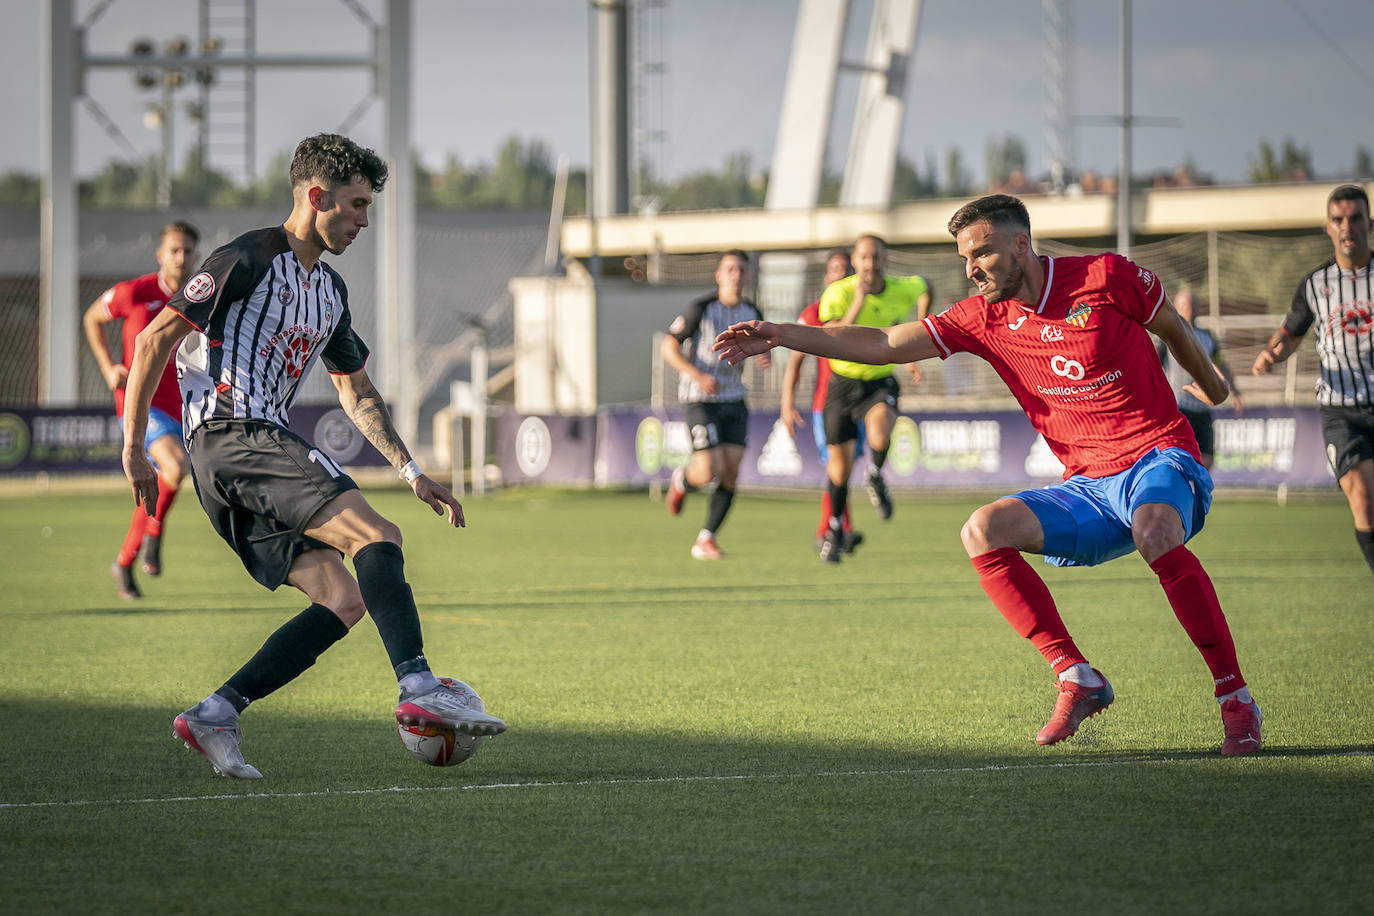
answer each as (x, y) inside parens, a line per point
(166, 495)
(1194, 600)
(134, 539)
(845, 523)
(1022, 597)
(824, 526)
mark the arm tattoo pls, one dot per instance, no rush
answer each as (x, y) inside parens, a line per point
(368, 412)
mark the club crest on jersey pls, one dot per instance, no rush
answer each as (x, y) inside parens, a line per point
(200, 287)
(285, 296)
(1078, 315)
(1325, 292)
(295, 356)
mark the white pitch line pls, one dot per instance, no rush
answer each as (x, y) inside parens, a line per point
(655, 780)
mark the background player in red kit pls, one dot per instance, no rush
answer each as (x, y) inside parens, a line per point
(837, 267)
(1068, 336)
(135, 303)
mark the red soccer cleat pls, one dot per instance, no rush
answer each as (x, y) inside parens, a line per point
(1242, 724)
(677, 492)
(1075, 704)
(706, 548)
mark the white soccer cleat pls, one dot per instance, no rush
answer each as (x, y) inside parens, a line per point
(448, 705)
(216, 740)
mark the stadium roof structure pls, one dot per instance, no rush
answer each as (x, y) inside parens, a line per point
(1155, 212)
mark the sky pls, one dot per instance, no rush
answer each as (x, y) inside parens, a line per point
(1231, 72)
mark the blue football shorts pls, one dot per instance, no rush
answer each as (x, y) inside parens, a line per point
(818, 433)
(160, 423)
(1087, 520)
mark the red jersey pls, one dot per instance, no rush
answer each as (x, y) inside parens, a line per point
(811, 315)
(136, 302)
(1079, 362)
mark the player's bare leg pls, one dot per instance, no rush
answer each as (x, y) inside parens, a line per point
(994, 537)
(1358, 486)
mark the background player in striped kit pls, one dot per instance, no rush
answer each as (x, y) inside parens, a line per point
(837, 267)
(1338, 299)
(1068, 336)
(134, 303)
(261, 312)
(712, 392)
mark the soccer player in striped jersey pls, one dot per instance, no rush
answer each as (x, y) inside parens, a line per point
(1068, 336)
(712, 392)
(134, 303)
(1338, 300)
(263, 310)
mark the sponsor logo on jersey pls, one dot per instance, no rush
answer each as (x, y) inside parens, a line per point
(285, 296)
(1078, 315)
(1017, 323)
(1146, 277)
(1069, 368)
(1051, 332)
(296, 354)
(200, 287)
(153, 306)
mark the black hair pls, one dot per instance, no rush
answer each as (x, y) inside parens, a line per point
(336, 160)
(1002, 211)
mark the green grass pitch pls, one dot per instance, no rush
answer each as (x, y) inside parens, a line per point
(762, 734)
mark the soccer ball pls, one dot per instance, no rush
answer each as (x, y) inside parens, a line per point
(440, 746)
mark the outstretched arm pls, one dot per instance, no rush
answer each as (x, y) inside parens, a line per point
(365, 407)
(1208, 384)
(904, 343)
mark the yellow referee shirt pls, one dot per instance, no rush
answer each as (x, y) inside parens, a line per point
(881, 310)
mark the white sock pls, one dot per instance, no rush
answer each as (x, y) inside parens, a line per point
(704, 535)
(217, 707)
(418, 682)
(1243, 694)
(1081, 674)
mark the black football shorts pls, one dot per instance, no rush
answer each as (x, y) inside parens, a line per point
(848, 401)
(1349, 435)
(715, 423)
(261, 484)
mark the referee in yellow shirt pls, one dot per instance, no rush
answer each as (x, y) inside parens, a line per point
(860, 393)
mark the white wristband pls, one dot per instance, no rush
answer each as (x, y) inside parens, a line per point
(411, 471)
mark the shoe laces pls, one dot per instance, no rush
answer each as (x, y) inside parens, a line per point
(1239, 719)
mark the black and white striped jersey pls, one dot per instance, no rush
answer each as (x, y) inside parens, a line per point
(261, 322)
(697, 327)
(1341, 305)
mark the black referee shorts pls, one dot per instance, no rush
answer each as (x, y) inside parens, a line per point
(848, 400)
(1349, 436)
(261, 484)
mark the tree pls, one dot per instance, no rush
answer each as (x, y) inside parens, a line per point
(1291, 164)
(20, 189)
(957, 179)
(733, 187)
(1002, 157)
(908, 184)
(1364, 163)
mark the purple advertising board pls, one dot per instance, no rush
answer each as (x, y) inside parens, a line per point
(89, 440)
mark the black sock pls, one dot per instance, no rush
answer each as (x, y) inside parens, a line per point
(1366, 542)
(839, 498)
(286, 653)
(720, 504)
(877, 457)
(382, 580)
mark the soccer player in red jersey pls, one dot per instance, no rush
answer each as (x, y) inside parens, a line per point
(135, 303)
(837, 267)
(1068, 336)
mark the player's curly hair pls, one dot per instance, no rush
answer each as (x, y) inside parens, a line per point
(1002, 211)
(336, 160)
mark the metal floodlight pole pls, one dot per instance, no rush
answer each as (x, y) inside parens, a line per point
(64, 67)
(1123, 180)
